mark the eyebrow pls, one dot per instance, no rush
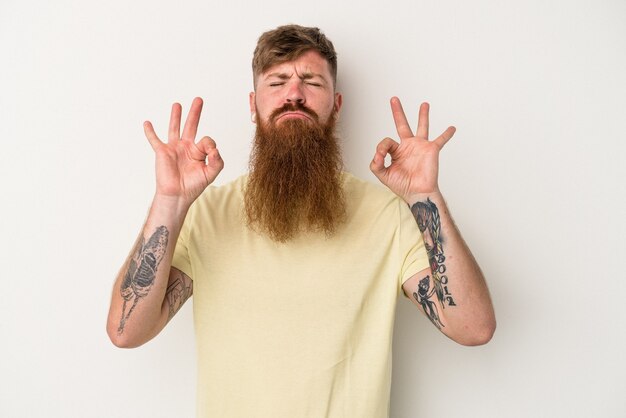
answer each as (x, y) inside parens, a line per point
(305, 76)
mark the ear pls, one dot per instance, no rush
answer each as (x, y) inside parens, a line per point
(252, 107)
(338, 102)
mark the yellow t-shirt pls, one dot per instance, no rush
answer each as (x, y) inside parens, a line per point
(304, 328)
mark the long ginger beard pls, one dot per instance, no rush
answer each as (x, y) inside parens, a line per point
(294, 184)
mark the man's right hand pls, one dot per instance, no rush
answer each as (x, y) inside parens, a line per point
(184, 168)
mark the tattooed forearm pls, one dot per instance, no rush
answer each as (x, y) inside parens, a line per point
(427, 216)
(422, 296)
(178, 291)
(141, 271)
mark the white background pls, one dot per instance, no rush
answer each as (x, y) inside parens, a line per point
(534, 177)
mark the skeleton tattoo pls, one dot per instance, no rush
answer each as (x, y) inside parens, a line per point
(141, 271)
(427, 216)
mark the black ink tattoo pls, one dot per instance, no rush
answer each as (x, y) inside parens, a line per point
(178, 292)
(427, 216)
(422, 296)
(141, 271)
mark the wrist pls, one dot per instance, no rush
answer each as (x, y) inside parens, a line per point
(170, 206)
(413, 198)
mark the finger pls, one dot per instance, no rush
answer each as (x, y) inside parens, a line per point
(377, 166)
(153, 139)
(202, 148)
(402, 125)
(191, 124)
(422, 123)
(213, 158)
(445, 136)
(387, 146)
(384, 147)
(207, 142)
(174, 130)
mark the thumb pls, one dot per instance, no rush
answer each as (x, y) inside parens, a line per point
(203, 148)
(377, 166)
(384, 147)
(209, 148)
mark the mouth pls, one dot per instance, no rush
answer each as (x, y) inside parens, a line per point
(294, 115)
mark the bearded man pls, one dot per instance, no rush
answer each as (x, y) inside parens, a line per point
(296, 266)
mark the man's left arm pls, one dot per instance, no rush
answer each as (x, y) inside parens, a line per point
(452, 292)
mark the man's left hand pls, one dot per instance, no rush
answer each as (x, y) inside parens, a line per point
(413, 172)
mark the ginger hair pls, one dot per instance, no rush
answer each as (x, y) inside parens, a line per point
(287, 43)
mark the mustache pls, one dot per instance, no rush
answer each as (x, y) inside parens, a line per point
(293, 107)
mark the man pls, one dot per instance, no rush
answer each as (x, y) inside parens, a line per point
(297, 266)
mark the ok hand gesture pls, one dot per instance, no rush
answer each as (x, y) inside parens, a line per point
(184, 168)
(414, 167)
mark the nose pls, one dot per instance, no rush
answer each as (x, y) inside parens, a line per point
(295, 94)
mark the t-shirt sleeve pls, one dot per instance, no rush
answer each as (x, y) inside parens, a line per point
(181, 259)
(412, 250)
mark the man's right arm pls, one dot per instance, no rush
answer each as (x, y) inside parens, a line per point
(148, 290)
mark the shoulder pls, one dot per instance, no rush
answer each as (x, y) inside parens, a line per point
(363, 193)
(229, 192)
(376, 215)
(219, 200)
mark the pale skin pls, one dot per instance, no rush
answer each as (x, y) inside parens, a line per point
(413, 175)
(184, 168)
(306, 80)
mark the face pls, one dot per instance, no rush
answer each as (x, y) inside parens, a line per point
(305, 82)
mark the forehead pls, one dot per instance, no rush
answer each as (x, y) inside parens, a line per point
(310, 63)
